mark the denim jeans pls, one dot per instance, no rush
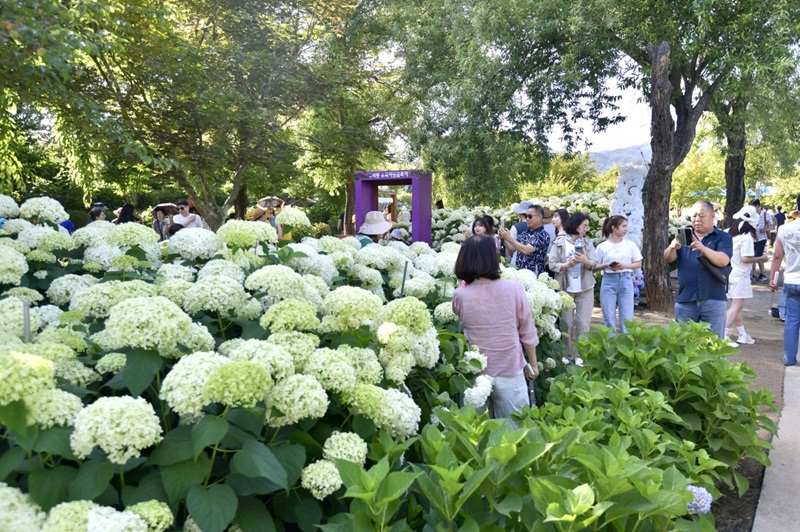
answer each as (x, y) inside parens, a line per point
(782, 304)
(710, 311)
(616, 291)
(791, 328)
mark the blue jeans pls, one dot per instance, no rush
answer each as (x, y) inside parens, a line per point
(782, 304)
(791, 328)
(617, 291)
(711, 311)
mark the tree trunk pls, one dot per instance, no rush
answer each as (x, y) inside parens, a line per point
(350, 204)
(657, 184)
(240, 203)
(731, 116)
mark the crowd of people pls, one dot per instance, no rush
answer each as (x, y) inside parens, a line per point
(169, 218)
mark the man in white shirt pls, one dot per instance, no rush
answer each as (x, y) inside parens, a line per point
(186, 218)
(787, 244)
(761, 240)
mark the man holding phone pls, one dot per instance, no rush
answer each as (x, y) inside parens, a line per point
(701, 296)
(532, 244)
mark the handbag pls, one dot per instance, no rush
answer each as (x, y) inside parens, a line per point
(720, 274)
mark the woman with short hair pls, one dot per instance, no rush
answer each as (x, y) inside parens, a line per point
(497, 319)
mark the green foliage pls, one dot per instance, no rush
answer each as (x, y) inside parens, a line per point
(568, 174)
(685, 363)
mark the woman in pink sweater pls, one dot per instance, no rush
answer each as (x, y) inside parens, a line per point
(497, 319)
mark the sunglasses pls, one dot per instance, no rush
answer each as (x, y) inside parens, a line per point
(531, 216)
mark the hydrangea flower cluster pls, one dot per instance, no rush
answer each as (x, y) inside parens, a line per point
(313, 263)
(156, 514)
(70, 516)
(16, 226)
(50, 407)
(98, 299)
(627, 200)
(480, 392)
(93, 234)
(290, 315)
(242, 234)
(44, 209)
(292, 217)
(33, 235)
(701, 504)
(480, 360)
(62, 335)
(57, 241)
(12, 266)
(215, 293)
(64, 289)
(18, 511)
(368, 368)
(195, 243)
(222, 267)
(332, 369)
(101, 518)
(294, 398)
(23, 375)
(275, 283)
(276, 361)
(349, 307)
(8, 207)
(345, 446)
(168, 272)
(145, 322)
(321, 478)
(112, 363)
(182, 387)
(120, 426)
(128, 235)
(11, 316)
(237, 383)
(300, 345)
(391, 410)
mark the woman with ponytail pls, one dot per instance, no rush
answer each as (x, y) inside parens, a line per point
(617, 259)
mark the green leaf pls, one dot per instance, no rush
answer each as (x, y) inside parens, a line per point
(176, 446)
(309, 513)
(11, 460)
(244, 419)
(209, 431)
(292, 458)
(214, 508)
(140, 370)
(256, 460)
(49, 487)
(55, 441)
(93, 478)
(512, 503)
(150, 487)
(395, 486)
(14, 416)
(178, 478)
(252, 516)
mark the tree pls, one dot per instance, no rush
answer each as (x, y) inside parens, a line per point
(535, 64)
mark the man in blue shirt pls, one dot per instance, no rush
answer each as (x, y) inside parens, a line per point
(531, 245)
(701, 297)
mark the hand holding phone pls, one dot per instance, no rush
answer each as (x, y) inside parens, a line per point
(685, 236)
(614, 265)
(578, 248)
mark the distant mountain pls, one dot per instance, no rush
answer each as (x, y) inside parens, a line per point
(635, 155)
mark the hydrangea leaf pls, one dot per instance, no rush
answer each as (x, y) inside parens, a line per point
(139, 372)
(92, 480)
(10, 460)
(209, 431)
(51, 487)
(252, 516)
(55, 441)
(179, 478)
(214, 508)
(256, 460)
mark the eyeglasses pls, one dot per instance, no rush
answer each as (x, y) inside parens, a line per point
(182, 207)
(531, 216)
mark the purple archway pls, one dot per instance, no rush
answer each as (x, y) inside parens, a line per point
(367, 197)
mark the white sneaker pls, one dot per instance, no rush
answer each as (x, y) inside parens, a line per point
(746, 339)
(729, 342)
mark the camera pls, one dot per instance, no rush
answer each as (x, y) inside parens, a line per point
(685, 236)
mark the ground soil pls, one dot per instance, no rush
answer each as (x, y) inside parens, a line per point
(731, 512)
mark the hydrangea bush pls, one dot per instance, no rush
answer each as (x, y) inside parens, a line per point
(220, 381)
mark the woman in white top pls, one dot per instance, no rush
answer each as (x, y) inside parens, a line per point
(617, 259)
(739, 287)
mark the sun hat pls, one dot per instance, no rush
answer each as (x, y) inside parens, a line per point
(396, 234)
(374, 224)
(547, 215)
(523, 207)
(747, 213)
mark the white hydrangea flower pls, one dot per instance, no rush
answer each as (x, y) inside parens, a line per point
(112, 363)
(104, 518)
(70, 516)
(349, 307)
(365, 362)
(93, 234)
(290, 315)
(224, 268)
(156, 514)
(331, 245)
(11, 316)
(43, 209)
(120, 426)
(480, 392)
(243, 234)
(57, 241)
(50, 407)
(313, 263)
(18, 512)
(12, 266)
(16, 226)
(296, 397)
(215, 293)
(321, 478)
(32, 236)
(102, 253)
(443, 313)
(147, 323)
(473, 353)
(391, 410)
(299, 345)
(8, 207)
(75, 340)
(195, 243)
(14, 244)
(332, 369)
(278, 362)
(168, 272)
(237, 383)
(75, 372)
(183, 385)
(226, 348)
(367, 276)
(275, 283)
(63, 289)
(292, 217)
(345, 446)
(174, 290)
(129, 235)
(426, 263)
(374, 257)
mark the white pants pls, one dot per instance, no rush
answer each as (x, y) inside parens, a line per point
(509, 395)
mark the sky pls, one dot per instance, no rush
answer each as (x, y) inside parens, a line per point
(633, 131)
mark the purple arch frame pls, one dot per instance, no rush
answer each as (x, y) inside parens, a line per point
(367, 184)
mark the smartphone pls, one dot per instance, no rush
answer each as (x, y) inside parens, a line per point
(685, 236)
(578, 248)
(614, 264)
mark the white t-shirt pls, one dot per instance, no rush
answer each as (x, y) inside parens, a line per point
(789, 237)
(184, 220)
(574, 273)
(761, 224)
(742, 247)
(624, 252)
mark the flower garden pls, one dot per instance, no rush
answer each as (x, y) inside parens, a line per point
(220, 382)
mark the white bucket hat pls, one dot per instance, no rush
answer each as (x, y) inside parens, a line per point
(747, 213)
(375, 224)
